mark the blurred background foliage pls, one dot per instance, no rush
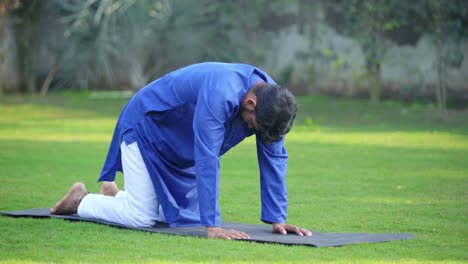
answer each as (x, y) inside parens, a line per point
(339, 47)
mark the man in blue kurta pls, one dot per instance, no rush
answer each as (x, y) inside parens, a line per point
(168, 142)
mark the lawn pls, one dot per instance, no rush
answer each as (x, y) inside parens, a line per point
(354, 167)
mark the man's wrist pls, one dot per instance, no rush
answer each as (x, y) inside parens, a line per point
(212, 228)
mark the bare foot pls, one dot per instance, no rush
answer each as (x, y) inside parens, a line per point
(109, 188)
(69, 203)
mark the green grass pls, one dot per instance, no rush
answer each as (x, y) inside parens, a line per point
(353, 167)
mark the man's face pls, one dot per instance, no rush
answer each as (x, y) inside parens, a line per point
(250, 118)
(248, 106)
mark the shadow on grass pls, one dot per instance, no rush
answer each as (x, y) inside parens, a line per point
(315, 112)
(354, 115)
(106, 107)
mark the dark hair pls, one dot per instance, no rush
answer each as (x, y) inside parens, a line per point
(275, 111)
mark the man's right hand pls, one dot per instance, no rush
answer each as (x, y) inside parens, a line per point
(218, 232)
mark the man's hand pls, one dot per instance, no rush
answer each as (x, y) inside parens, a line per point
(283, 229)
(218, 232)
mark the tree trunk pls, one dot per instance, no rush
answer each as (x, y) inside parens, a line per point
(374, 90)
(48, 81)
(441, 88)
(373, 68)
(31, 85)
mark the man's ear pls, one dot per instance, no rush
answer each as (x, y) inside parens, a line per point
(250, 103)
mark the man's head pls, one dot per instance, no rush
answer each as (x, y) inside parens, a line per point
(270, 109)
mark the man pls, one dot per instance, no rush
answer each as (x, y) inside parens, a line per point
(168, 142)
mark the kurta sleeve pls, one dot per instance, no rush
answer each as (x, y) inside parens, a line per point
(217, 102)
(272, 161)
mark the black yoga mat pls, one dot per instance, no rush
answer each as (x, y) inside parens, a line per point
(257, 233)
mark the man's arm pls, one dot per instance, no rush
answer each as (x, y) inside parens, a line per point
(272, 160)
(214, 107)
(273, 163)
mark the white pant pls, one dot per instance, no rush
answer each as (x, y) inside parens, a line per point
(137, 206)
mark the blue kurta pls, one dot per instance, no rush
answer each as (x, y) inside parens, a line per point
(183, 123)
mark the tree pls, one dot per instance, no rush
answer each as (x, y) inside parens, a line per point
(100, 42)
(124, 42)
(445, 21)
(367, 21)
(8, 69)
(23, 19)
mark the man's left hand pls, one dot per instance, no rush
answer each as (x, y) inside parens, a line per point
(283, 229)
